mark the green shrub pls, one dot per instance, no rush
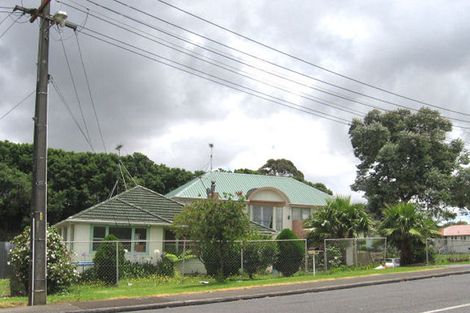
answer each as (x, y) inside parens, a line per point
(335, 257)
(291, 253)
(105, 260)
(165, 267)
(258, 255)
(60, 271)
(221, 260)
(88, 275)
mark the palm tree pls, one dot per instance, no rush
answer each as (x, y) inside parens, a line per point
(339, 219)
(407, 229)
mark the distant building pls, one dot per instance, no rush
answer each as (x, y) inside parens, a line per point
(456, 238)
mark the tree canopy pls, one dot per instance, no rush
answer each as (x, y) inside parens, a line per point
(281, 167)
(76, 181)
(404, 156)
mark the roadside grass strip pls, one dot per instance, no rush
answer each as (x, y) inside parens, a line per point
(163, 286)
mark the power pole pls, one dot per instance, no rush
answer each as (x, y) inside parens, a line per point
(37, 294)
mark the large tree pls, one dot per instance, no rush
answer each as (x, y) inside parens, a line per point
(284, 167)
(404, 156)
(76, 181)
(281, 167)
(15, 195)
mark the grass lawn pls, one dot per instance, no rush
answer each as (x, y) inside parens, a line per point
(155, 286)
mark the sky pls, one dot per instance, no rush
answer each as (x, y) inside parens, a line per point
(418, 49)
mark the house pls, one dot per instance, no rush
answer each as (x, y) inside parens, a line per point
(274, 202)
(456, 239)
(139, 217)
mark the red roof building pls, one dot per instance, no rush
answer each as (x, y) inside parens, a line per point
(455, 230)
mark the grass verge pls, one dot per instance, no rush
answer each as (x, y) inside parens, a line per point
(154, 286)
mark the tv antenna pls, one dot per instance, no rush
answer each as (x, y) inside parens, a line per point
(211, 146)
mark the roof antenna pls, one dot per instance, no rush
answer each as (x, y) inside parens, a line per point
(118, 148)
(211, 146)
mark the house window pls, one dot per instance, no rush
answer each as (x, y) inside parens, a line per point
(301, 214)
(124, 234)
(262, 215)
(64, 233)
(99, 233)
(279, 218)
(133, 238)
(140, 234)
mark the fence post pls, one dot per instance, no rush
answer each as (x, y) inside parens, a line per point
(427, 252)
(385, 250)
(306, 256)
(241, 257)
(184, 256)
(355, 251)
(117, 262)
(313, 263)
(325, 256)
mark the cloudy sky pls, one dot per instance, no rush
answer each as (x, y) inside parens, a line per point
(414, 48)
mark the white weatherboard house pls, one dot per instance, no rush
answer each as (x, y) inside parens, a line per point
(274, 202)
(138, 215)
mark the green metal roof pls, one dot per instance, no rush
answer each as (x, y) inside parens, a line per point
(136, 205)
(231, 183)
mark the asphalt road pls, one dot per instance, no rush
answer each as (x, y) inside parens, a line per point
(446, 294)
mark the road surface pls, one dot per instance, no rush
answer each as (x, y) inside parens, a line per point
(447, 294)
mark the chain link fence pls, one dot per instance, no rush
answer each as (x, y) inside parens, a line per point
(112, 261)
(452, 249)
(354, 252)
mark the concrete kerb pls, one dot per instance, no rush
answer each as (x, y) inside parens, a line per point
(182, 303)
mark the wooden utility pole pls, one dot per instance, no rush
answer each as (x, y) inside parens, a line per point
(37, 294)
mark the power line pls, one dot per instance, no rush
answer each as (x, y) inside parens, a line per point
(11, 25)
(74, 87)
(245, 75)
(218, 80)
(199, 56)
(303, 60)
(331, 93)
(211, 61)
(270, 62)
(6, 17)
(90, 93)
(16, 105)
(69, 110)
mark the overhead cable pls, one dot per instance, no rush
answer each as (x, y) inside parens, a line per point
(215, 79)
(302, 60)
(16, 105)
(272, 63)
(90, 93)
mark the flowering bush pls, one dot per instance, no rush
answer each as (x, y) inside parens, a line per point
(60, 272)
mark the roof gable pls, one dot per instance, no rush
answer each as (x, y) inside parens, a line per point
(231, 183)
(136, 205)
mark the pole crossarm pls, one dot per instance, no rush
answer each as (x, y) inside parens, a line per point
(39, 13)
(39, 10)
